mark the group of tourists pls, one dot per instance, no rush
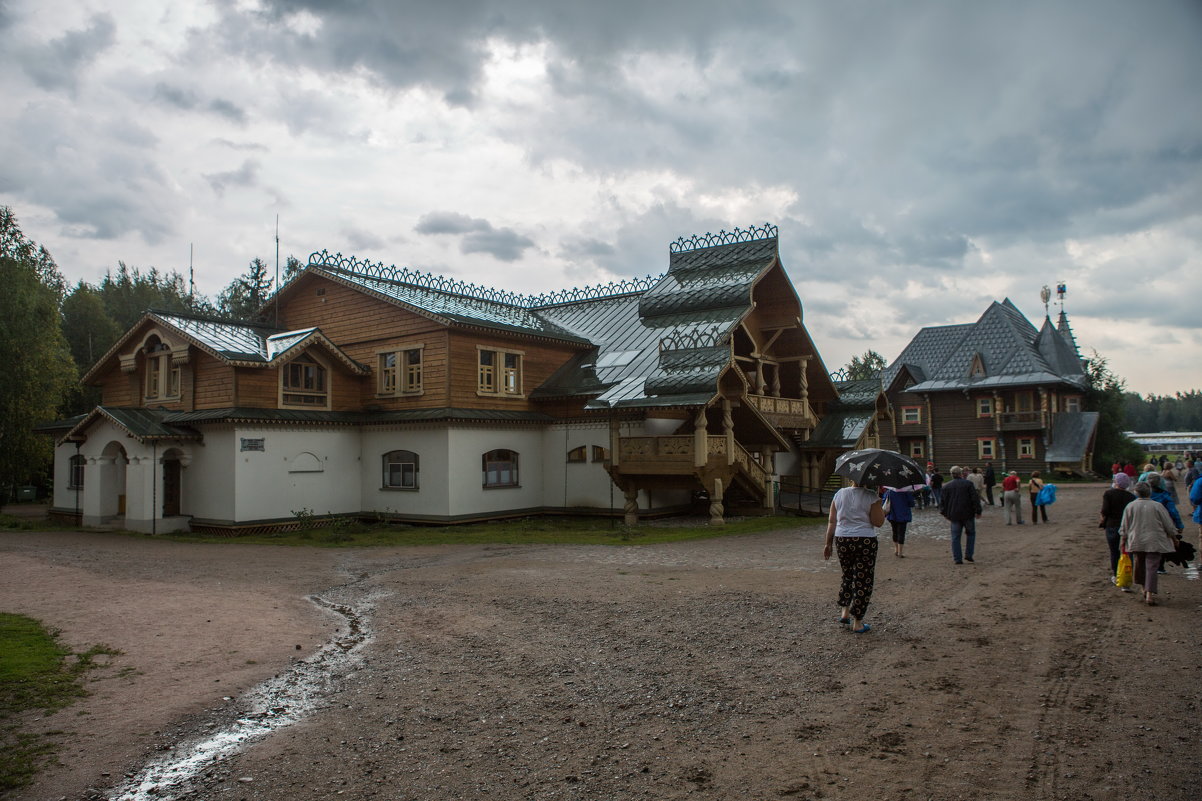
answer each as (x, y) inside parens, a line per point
(1140, 516)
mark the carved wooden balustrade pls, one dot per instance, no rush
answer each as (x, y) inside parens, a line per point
(784, 412)
(1021, 421)
(674, 455)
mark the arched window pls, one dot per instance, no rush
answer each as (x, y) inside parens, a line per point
(304, 383)
(75, 479)
(162, 380)
(500, 468)
(600, 454)
(400, 470)
(578, 454)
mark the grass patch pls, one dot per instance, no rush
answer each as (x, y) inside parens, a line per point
(523, 531)
(36, 672)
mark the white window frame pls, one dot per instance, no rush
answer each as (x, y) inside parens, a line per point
(986, 448)
(398, 457)
(493, 470)
(917, 410)
(1026, 447)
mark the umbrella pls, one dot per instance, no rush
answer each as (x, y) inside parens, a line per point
(874, 467)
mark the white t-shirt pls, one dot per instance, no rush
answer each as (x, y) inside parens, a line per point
(851, 512)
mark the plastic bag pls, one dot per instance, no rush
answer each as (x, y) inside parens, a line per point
(1122, 576)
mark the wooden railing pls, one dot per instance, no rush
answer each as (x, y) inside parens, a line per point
(1014, 421)
(784, 412)
(668, 449)
(674, 454)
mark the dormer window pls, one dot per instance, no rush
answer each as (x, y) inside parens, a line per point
(977, 368)
(161, 379)
(304, 383)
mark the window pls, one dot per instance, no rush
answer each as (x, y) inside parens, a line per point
(578, 454)
(401, 372)
(162, 380)
(400, 470)
(600, 454)
(911, 414)
(917, 448)
(75, 477)
(986, 448)
(1024, 402)
(305, 384)
(500, 372)
(500, 468)
(984, 407)
(1072, 403)
(1026, 447)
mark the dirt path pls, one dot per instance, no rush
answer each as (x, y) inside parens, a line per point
(708, 669)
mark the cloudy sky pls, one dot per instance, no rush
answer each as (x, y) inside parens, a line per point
(921, 158)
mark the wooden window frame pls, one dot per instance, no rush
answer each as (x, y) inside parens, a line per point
(405, 373)
(985, 407)
(916, 448)
(917, 415)
(1026, 443)
(503, 376)
(986, 448)
(322, 371)
(400, 457)
(75, 471)
(161, 380)
(600, 453)
(578, 455)
(492, 464)
(1075, 401)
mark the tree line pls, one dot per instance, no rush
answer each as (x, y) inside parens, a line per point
(51, 333)
(1179, 412)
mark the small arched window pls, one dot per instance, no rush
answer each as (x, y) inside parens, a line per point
(75, 479)
(162, 380)
(500, 468)
(304, 383)
(600, 454)
(400, 470)
(578, 454)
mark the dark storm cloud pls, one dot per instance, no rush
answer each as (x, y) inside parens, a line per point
(476, 235)
(57, 63)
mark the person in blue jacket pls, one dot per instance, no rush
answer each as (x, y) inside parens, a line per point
(900, 503)
(1195, 497)
(1162, 496)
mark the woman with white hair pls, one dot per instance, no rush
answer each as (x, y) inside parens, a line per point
(1147, 533)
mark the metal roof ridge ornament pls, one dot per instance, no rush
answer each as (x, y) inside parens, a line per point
(455, 286)
(733, 236)
(710, 336)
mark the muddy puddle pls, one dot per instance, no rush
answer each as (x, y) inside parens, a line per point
(282, 700)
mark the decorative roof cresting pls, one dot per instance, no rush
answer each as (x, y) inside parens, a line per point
(735, 235)
(454, 286)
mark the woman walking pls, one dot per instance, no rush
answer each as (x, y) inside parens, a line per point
(1147, 533)
(1011, 504)
(900, 502)
(851, 530)
(1114, 501)
(1033, 488)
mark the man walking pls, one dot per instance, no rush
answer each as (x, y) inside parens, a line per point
(990, 480)
(961, 505)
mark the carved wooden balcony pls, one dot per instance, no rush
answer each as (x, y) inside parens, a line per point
(784, 412)
(1021, 421)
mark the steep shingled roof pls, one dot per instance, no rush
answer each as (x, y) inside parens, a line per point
(1002, 341)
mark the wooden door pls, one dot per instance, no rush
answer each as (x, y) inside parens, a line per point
(171, 482)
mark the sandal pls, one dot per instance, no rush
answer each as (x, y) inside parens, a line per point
(864, 629)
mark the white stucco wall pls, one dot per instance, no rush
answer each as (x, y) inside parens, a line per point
(576, 484)
(268, 486)
(208, 480)
(432, 497)
(465, 480)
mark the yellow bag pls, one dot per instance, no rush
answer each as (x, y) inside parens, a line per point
(1122, 576)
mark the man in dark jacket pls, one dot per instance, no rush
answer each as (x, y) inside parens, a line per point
(961, 505)
(990, 480)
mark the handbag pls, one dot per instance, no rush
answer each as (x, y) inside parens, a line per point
(888, 504)
(1122, 576)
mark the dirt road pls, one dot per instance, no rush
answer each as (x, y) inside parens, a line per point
(711, 669)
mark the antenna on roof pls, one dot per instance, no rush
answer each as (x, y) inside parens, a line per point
(277, 268)
(191, 281)
(1061, 291)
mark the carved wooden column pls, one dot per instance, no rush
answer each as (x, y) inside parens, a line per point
(700, 439)
(776, 380)
(631, 493)
(716, 518)
(804, 382)
(728, 428)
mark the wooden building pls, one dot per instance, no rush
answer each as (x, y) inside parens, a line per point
(391, 393)
(997, 390)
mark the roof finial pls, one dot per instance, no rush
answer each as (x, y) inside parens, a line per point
(1045, 295)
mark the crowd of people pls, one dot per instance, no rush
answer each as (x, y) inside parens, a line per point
(1142, 522)
(1139, 515)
